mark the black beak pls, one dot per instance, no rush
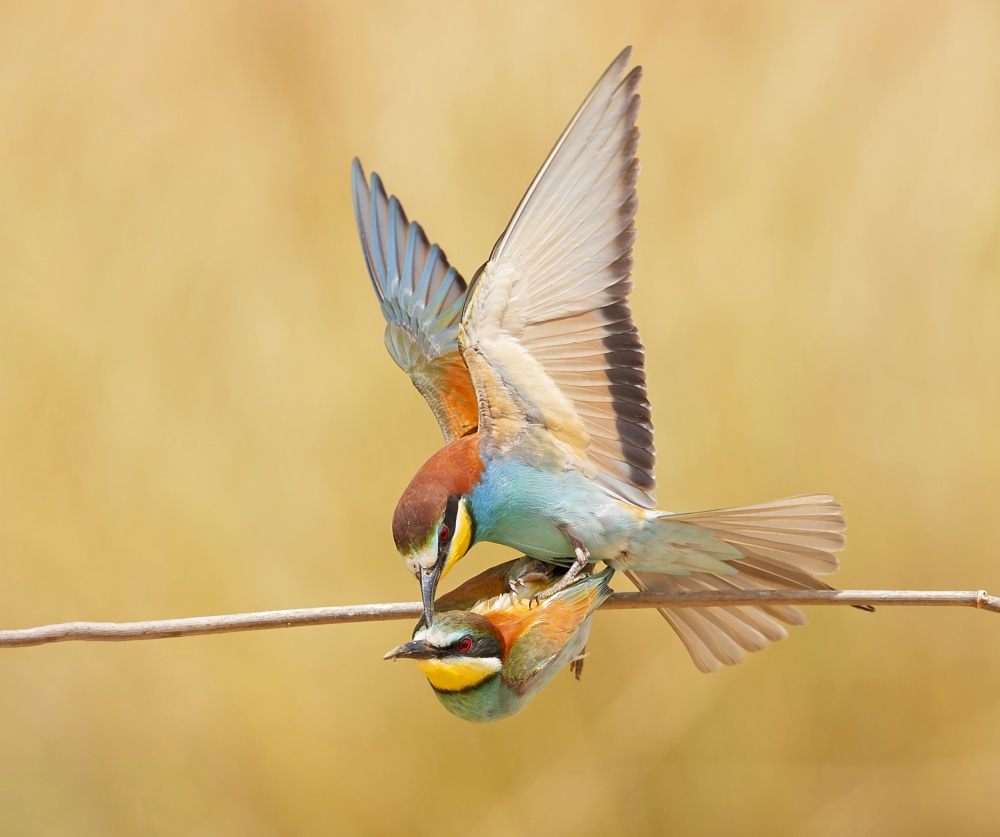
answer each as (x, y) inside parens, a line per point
(428, 587)
(413, 651)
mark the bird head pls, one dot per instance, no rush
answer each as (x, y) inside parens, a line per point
(433, 525)
(458, 652)
(490, 649)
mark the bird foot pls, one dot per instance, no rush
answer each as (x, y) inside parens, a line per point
(526, 580)
(581, 561)
(576, 664)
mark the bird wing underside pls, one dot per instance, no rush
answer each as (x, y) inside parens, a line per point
(547, 331)
(421, 297)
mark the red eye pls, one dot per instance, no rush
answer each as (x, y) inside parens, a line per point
(443, 533)
(465, 644)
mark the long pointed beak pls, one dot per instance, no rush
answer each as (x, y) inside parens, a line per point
(412, 651)
(428, 587)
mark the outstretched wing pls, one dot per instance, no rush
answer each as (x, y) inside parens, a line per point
(421, 297)
(547, 332)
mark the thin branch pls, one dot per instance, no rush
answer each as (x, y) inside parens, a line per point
(198, 625)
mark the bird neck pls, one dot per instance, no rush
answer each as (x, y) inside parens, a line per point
(491, 700)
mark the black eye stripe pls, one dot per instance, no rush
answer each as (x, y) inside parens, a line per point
(450, 519)
(482, 646)
(451, 511)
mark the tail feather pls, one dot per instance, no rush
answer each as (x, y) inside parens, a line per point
(798, 533)
(784, 545)
(717, 636)
(779, 577)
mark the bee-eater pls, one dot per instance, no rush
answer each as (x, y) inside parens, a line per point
(490, 650)
(535, 374)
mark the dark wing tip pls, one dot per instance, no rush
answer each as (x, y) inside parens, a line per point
(622, 58)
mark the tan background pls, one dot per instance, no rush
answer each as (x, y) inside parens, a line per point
(197, 414)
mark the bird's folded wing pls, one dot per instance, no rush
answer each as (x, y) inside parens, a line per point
(421, 297)
(547, 332)
(543, 630)
(498, 581)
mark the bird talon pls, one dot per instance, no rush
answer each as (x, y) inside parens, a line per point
(524, 582)
(576, 664)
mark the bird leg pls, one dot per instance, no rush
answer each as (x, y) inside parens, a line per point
(581, 561)
(576, 664)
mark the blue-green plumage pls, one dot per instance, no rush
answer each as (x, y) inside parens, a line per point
(532, 508)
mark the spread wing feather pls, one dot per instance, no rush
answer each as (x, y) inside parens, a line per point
(547, 331)
(421, 297)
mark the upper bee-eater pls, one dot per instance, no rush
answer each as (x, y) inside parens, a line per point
(490, 650)
(535, 374)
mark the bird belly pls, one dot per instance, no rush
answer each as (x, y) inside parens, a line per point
(525, 507)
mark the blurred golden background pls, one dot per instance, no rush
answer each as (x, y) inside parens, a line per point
(197, 414)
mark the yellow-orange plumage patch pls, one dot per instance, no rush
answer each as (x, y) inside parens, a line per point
(552, 620)
(458, 674)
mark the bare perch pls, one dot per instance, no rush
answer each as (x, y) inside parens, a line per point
(197, 625)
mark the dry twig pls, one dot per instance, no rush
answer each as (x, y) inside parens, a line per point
(198, 625)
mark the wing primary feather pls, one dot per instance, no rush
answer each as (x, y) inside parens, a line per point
(614, 70)
(421, 297)
(363, 214)
(378, 199)
(557, 281)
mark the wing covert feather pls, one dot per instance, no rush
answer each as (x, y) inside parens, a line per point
(554, 623)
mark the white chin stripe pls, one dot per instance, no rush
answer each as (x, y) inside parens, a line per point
(424, 558)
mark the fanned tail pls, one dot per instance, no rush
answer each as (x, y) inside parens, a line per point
(781, 545)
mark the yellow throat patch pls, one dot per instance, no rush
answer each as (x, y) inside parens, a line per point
(456, 674)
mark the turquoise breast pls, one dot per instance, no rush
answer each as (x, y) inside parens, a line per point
(523, 506)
